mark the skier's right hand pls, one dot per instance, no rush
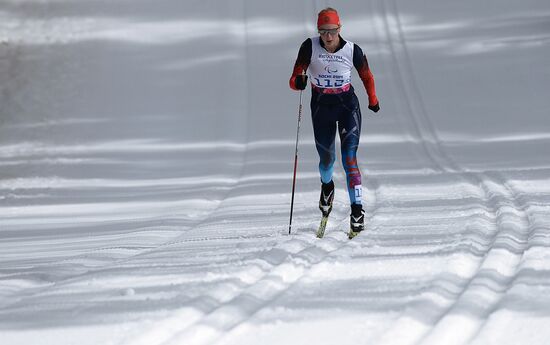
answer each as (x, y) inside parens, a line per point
(301, 81)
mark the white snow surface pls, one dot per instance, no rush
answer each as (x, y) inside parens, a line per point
(146, 156)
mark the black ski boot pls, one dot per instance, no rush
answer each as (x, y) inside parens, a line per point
(356, 220)
(326, 198)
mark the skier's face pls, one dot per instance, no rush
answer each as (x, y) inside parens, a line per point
(330, 35)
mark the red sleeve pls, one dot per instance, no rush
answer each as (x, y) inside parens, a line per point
(302, 62)
(362, 65)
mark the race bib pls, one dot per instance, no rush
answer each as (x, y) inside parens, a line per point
(330, 70)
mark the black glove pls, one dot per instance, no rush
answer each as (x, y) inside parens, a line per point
(301, 81)
(375, 107)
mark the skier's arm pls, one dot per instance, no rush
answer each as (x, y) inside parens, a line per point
(362, 65)
(302, 63)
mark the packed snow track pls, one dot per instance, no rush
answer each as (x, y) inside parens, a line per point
(146, 155)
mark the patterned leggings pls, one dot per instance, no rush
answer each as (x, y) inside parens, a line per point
(342, 112)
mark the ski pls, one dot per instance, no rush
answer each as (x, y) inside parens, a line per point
(352, 234)
(322, 227)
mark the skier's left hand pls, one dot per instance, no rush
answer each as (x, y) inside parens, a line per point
(375, 107)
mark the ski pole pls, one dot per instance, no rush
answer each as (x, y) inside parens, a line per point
(295, 162)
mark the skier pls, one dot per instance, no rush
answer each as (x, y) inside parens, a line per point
(334, 106)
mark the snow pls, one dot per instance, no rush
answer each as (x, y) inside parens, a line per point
(146, 155)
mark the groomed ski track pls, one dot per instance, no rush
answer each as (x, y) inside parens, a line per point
(162, 217)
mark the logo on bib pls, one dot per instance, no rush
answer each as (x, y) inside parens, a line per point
(330, 69)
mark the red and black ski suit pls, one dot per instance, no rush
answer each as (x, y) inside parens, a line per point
(334, 105)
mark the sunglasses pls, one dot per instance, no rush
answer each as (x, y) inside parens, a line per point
(328, 31)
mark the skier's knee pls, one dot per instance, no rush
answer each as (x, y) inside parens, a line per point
(327, 162)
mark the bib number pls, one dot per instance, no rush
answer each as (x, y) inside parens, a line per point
(329, 83)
